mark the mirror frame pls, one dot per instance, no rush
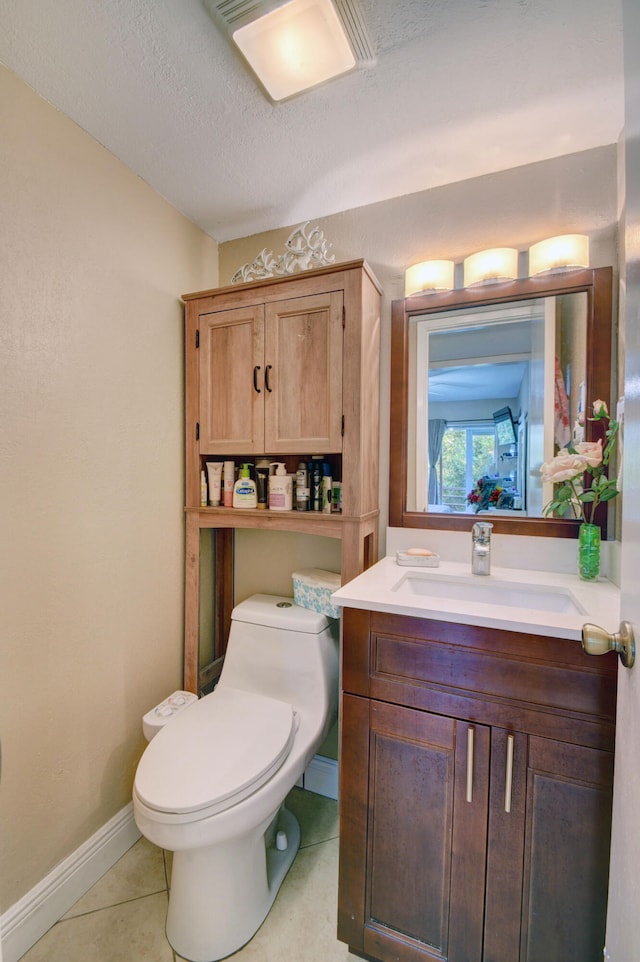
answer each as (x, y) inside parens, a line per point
(598, 285)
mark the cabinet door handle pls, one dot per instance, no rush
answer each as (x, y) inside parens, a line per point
(508, 779)
(255, 379)
(266, 377)
(470, 740)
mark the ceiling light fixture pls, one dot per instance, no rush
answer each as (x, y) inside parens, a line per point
(293, 45)
(428, 277)
(491, 266)
(563, 253)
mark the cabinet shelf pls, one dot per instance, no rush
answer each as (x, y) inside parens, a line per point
(303, 522)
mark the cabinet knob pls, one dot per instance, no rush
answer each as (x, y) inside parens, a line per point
(597, 641)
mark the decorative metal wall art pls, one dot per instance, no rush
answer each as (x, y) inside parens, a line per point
(305, 249)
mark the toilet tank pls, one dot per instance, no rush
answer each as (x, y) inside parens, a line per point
(279, 649)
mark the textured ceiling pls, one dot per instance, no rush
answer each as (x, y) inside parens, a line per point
(460, 88)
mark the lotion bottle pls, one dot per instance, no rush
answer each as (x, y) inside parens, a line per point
(280, 489)
(245, 493)
(228, 479)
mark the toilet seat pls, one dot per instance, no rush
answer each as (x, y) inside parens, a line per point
(215, 753)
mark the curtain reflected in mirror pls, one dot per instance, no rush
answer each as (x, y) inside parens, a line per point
(437, 427)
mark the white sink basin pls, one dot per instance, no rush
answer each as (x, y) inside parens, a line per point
(480, 590)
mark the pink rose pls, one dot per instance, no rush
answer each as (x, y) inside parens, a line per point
(600, 409)
(591, 451)
(563, 467)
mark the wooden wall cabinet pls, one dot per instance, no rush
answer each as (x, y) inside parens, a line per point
(283, 368)
(271, 377)
(475, 795)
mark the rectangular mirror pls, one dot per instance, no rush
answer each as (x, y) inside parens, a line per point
(486, 384)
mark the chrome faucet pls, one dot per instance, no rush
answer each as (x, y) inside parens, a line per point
(481, 548)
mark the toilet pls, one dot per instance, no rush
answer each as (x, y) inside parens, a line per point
(210, 786)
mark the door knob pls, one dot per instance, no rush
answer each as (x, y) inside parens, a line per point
(597, 641)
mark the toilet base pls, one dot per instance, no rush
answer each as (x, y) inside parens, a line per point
(220, 895)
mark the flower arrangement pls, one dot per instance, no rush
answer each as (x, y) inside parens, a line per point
(485, 494)
(567, 469)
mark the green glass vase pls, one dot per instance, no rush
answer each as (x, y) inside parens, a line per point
(589, 552)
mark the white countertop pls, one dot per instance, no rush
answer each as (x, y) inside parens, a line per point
(385, 587)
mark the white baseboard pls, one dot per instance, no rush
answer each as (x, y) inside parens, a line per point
(321, 776)
(28, 920)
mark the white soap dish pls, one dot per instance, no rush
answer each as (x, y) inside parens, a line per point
(418, 557)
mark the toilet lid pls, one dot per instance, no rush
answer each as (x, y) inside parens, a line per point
(218, 750)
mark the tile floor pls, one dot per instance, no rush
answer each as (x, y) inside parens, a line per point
(121, 919)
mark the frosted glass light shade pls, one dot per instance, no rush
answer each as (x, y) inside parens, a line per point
(490, 266)
(562, 253)
(428, 276)
(296, 46)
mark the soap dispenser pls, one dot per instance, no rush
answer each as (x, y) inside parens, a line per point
(245, 492)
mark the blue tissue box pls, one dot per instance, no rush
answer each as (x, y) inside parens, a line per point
(313, 587)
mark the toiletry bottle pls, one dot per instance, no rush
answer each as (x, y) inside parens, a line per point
(280, 489)
(336, 497)
(203, 489)
(327, 484)
(315, 480)
(245, 493)
(229, 477)
(262, 482)
(214, 471)
(302, 487)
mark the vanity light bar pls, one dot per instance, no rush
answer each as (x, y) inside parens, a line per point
(562, 253)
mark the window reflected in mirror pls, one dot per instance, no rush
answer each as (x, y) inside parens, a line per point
(497, 390)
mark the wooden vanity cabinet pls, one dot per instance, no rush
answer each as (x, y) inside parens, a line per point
(475, 793)
(286, 367)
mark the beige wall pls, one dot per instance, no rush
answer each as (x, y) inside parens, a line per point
(516, 208)
(91, 447)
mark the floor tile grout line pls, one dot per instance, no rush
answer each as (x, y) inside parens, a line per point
(320, 841)
(111, 905)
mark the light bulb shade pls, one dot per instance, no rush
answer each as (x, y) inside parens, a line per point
(490, 266)
(295, 47)
(429, 276)
(562, 253)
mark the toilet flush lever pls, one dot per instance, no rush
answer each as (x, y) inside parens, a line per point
(597, 641)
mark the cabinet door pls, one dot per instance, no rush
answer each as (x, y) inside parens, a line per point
(413, 834)
(303, 374)
(232, 381)
(548, 858)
